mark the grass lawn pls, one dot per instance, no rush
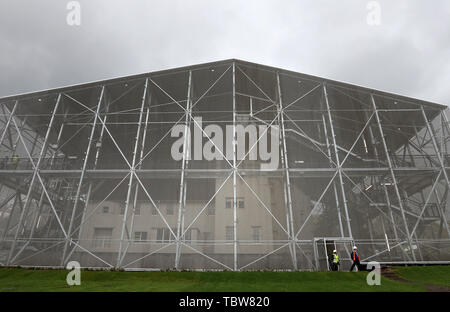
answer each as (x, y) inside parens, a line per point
(14, 279)
(435, 275)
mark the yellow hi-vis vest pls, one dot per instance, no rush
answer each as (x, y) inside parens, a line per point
(335, 258)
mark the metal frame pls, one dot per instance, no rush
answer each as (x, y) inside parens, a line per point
(32, 190)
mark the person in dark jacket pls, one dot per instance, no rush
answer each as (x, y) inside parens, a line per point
(355, 258)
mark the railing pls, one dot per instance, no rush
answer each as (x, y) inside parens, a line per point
(24, 163)
(416, 160)
(115, 162)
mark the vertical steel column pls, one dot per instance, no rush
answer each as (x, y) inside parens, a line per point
(288, 224)
(58, 139)
(413, 232)
(384, 229)
(316, 255)
(184, 201)
(181, 207)
(35, 173)
(57, 147)
(373, 182)
(6, 129)
(185, 182)
(132, 173)
(234, 171)
(444, 123)
(339, 169)
(326, 254)
(288, 182)
(42, 195)
(41, 200)
(408, 148)
(133, 212)
(88, 194)
(391, 215)
(394, 180)
(136, 190)
(336, 197)
(388, 201)
(418, 247)
(14, 147)
(33, 226)
(83, 172)
(441, 210)
(442, 135)
(441, 162)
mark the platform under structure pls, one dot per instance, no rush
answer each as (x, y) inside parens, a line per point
(228, 165)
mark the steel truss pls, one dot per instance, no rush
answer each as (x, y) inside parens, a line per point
(369, 177)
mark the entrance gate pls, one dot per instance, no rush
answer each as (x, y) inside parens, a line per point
(323, 249)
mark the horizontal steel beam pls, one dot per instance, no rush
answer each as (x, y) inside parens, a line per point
(210, 173)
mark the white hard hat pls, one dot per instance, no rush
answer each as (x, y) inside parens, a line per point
(335, 250)
(354, 247)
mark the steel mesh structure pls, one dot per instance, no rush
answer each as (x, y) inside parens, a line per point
(87, 173)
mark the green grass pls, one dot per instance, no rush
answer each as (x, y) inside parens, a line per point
(14, 279)
(434, 275)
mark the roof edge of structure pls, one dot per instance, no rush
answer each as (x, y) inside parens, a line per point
(38, 93)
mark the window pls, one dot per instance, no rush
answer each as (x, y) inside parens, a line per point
(188, 235)
(163, 235)
(105, 209)
(169, 209)
(140, 236)
(159, 234)
(211, 210)
(154, 212)
(137, 209)
(256, 233)
(229, 202)
(192, 234)
(229, 233)
(102, 237)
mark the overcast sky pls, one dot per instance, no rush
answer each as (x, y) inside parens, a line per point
(408, 53)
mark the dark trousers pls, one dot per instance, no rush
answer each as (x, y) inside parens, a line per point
(334, 266)
(357, 264)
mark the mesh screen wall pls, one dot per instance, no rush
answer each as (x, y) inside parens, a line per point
(272, 170)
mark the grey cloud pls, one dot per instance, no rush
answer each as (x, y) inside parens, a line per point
(406, 54)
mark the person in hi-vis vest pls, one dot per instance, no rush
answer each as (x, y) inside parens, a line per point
(355, 258)
(335, 261)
